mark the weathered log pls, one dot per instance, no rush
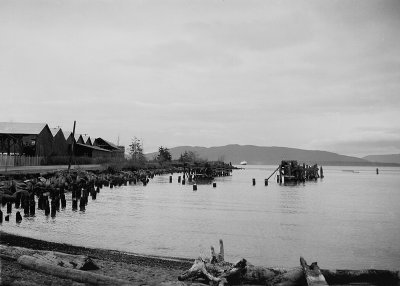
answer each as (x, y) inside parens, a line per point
(80, 262)
(217, 271)
(312, 273)
(373, 276)
(68, 273)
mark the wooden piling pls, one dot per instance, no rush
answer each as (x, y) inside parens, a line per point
(47, 207)
(214, 185)
(26, 207)
(57, 203)
(194, 187)
(170, 179)
(63, 201)
(41, 202)
(18, 217)
(53, 210)
(17, 200)
(266, 182)
(82, 204)
(254, 181)
(179, 179)
(377, 171)
(32, 206)
(183, 181)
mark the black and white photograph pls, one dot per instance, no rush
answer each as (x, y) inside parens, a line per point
(199, 142)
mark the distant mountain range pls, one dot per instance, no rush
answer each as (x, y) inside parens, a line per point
(390, 158)
(257, 155)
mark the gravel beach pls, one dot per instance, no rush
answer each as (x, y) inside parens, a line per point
(138, 269)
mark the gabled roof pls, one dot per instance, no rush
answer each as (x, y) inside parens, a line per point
(77, 137)
(55, 130)
(103, 143)
(86, 139)
(21, 128)
(67, 134)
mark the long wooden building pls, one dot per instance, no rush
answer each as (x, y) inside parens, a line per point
(37, 139)
(31, 139)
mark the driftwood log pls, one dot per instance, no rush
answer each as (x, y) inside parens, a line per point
(68, 273)
(312, 273)
(59, 264)
(216, 271)
(81, 262)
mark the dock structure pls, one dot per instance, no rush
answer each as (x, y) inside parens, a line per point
(205, 173)
(291, 172)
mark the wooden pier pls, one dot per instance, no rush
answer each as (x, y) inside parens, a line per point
(291, 172)
(205, 173)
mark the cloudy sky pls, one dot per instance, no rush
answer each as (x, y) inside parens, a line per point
(307, 74)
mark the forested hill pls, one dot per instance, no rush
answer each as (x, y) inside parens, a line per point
(257, 155)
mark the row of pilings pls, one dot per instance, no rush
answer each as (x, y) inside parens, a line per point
(50, 189)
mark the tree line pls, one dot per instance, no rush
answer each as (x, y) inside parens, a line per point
(163, 156)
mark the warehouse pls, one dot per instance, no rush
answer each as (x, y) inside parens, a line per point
(60, 145)
(31, 139)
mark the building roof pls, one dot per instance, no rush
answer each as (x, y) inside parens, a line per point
(86, 138)
(21, 128)
(93, 147)
(67, 134)
(55, 130)
(105, 142)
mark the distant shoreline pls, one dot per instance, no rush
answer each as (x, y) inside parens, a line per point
(346, 164)
(21, 170)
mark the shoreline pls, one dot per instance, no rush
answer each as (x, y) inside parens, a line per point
(137, 268)
(10, 239)
(26, 170)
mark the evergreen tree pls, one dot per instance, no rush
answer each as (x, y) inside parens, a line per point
(136, 150)
(163, 155)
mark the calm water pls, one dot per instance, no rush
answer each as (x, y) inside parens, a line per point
(346, 220)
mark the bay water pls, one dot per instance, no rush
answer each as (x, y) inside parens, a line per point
(348, 220)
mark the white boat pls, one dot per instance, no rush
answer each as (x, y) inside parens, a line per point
(243, 163)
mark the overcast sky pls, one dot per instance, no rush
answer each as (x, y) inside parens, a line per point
(306, 74)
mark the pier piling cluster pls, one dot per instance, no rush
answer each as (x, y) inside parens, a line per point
(46, 192)
(291, 172)
(50, 189)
